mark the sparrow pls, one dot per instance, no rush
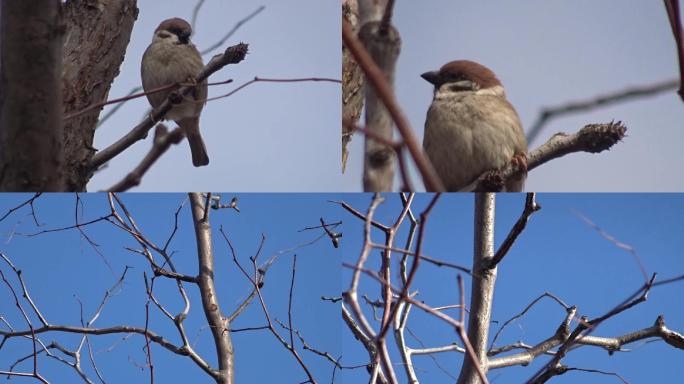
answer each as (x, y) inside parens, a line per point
(471, 128)
(171, 59)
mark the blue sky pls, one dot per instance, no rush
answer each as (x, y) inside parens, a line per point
(557, 253)
(62, 268)
(267, 137)
(548, 53)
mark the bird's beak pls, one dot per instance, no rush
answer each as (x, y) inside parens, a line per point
(431, 77)
(184, 37)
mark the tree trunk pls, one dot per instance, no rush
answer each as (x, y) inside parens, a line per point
(482, 287)
(352, 82)
(383, 45)
(31, 147)
(95, 45)
(218, 324)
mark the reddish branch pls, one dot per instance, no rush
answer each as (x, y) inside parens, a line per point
(134, 95)
(396, 146)
(672, 7)
(395, 301)
(377, 79)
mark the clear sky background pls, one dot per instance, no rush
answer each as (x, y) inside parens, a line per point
(548, 53)
(267, 137)
(557, 253)
(62, 268)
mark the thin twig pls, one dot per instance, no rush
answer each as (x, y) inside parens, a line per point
(232, 31)
(672, 7)
(195, 12)
(531, 207)
(549, 113)
(163, 140)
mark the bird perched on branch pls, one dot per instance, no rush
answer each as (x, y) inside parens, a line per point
(471, 128)
(172, 59)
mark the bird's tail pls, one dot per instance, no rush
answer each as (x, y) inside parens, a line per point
(199, 151)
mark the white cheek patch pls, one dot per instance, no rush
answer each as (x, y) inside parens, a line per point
(492, 91)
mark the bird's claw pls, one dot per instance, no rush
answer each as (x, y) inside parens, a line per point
(519, 161)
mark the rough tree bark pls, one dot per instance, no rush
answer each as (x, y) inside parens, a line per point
(352, 82)
(84, 42)
(96, 39)
(31, 148)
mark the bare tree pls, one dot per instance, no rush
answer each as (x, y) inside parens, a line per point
(168, 296)
(383, 295)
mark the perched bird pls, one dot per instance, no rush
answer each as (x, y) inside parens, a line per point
(172, 58)
(471, 128)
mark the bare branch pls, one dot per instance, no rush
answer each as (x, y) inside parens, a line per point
(531, 207)
(232, 31)
(618, 244)
(377, 79)
(524, 311)
(549, 113)
(382, 42)
(672, 7)
(210, 305)
(162, 142)
(482, 288)
(232, 55)
(30, 202)
(257, 282)
(593, 138)
(195, 12)
(589, 325)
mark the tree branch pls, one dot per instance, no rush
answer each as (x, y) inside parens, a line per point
(212, 309)
(549, 113)
(377, 79)
(482, 287)
(672, 7)
(592, 138)
(163, 140)
(232, 55)
(531, 207)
